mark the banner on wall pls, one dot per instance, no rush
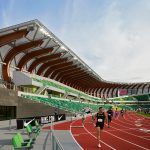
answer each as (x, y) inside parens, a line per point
(122, 92)
(47, 119)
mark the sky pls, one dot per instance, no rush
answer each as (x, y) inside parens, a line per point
(111, 36)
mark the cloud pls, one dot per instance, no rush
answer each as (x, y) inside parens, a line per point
(6, 13)
(115, 43)
(112, 37)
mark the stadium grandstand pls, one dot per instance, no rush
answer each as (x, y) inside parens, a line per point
(42, 77)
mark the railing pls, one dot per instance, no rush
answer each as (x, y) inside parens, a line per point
(25, 89)
(7, 85)
(14, 87)
(56, 145)
(55, 142)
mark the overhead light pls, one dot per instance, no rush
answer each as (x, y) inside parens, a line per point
(57, 42)
(75, 58)
(45, 32)
(63, 48)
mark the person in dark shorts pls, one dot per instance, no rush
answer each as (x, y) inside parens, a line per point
(122, 112)
(100, 119)
(110, 115)
(116, 113)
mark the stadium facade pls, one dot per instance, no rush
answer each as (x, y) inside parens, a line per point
(35, 64)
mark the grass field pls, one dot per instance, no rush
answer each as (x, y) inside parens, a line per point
(142, 113)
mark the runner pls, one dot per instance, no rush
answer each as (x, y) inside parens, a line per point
(116, 113)
(122, 112)
(110, 115)
(100, 116)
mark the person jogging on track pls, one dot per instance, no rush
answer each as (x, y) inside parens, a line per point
(116, 113)
(100, 116)
(110, 115)
(122, 112)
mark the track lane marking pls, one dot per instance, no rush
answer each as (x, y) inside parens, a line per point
(73, 136)
(96, 138)
(129, 133)
(127, 141)
(100, 140)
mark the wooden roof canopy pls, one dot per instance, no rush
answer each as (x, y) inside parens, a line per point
(36, 49)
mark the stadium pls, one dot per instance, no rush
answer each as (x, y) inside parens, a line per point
(49, 95)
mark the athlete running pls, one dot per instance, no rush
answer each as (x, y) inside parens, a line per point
(100, 116)
(116, 113)
(110, 115)
(122, 112)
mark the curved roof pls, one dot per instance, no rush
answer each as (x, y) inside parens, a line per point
(32, 47)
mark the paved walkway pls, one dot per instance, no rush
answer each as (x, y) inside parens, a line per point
(8, 129)
(66, 140)
(6, 134)
(43, 141)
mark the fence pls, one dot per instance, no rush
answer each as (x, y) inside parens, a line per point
(14, 87)
(55, 142)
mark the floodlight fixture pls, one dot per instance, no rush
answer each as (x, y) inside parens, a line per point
(64, 48)
(44, 32)
(75, 58)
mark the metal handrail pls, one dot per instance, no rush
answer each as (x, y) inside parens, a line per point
(14, 87)
(56, 145)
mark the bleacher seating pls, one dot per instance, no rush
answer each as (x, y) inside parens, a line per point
(142, 97)
(67, 89)
(65, 104)
(135, 98)
(74, 96)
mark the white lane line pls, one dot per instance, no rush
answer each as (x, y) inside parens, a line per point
(125, 126)
(145, 123)
(83, 134)
(100, 140)
(133, 117)
(122, 129)
(144, 116)
(129, 124)
(126, 123)
(127, 141)
(96, 138)
(129, 133)
(130, 119)
(73, 136)
(132, 125)
(145, 130)
(141, 118)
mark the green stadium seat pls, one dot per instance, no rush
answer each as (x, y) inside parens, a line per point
(26, 140)
(32, 133)
(67, 89)
(34, 130)
(17, 144)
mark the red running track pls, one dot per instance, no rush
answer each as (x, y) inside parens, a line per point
(123, 134)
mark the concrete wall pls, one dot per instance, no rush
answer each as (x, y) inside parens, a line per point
(19, 78)
(25, 107)
(28, 108)
(8, 97)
